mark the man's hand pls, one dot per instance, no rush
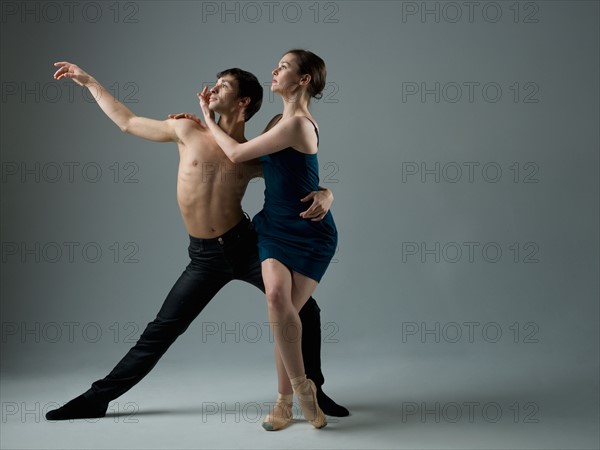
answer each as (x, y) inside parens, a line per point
(321, 202)
(187, 116)
(204, 98)
(68, 70)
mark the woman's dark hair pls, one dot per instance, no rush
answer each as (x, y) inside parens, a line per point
(313, 65)
(248, 86)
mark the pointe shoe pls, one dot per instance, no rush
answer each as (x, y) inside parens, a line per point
(306, 393)
(281, 415)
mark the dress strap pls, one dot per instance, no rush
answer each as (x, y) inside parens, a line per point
(316, 130)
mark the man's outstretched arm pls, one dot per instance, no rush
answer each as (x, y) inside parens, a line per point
(127, 121)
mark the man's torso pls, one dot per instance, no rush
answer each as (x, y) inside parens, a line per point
(210, 187)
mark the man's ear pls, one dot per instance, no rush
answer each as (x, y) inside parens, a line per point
(244, 101)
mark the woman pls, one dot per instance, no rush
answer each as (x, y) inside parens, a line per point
(294, 251)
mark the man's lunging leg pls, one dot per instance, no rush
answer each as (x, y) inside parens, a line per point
(191, 293)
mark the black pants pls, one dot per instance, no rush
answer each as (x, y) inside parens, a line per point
(213, 264)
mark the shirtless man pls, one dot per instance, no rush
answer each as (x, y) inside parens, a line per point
(222, 240)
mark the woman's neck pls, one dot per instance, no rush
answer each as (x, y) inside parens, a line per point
(295, 107)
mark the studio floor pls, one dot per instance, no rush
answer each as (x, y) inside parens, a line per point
(414, 403)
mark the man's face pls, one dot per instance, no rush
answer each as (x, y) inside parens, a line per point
(224, 96)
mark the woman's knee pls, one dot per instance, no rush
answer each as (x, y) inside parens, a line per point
(277, 299)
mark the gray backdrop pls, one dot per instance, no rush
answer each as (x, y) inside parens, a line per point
(460, 140)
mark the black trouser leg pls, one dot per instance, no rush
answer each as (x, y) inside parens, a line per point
(310, 316)
(194, 289)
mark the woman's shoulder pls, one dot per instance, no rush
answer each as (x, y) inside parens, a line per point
(299, 122)
(297, 132)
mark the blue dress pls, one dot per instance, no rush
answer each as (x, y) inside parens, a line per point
(302, 245)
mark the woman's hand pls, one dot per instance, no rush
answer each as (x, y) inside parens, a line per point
(187, 116)
(204, 98)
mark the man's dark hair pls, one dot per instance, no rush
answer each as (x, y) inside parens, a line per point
(248, 86)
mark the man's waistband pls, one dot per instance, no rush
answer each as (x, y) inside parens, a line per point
(228, 237)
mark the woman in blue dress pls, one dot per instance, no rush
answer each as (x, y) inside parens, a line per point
(294, 251)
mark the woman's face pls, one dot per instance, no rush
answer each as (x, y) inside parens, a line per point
(286, 76)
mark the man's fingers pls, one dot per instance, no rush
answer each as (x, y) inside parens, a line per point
(64, 67)
(308, 197)
(311, 213)
(60, 71)
(317, 216)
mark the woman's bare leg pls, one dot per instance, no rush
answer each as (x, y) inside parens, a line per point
(302, 289)
(283, 316)
(283, 380)
(286, 293)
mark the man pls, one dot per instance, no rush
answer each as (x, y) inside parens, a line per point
(222, 240)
